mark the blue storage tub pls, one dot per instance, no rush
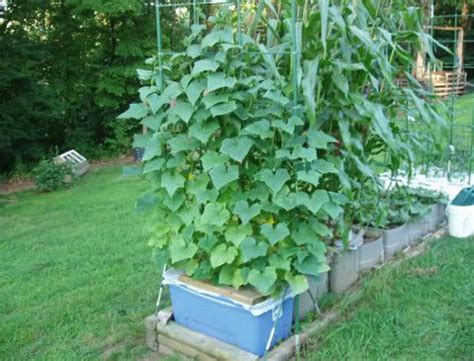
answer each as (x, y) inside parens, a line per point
(247, 327)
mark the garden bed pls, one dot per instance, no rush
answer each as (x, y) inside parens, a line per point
(167, 337)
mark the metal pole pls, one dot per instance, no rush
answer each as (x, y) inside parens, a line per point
(195, 17)
(472, 145)
(239, 23)
(159, 45)
(297, 327)
(294, 55)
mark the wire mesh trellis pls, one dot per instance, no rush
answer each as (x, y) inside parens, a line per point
(450, 152)
(196, 4)
(294, 53)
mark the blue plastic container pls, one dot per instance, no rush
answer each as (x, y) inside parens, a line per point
(227, 321)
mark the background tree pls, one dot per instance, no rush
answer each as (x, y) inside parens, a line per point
(67, 68)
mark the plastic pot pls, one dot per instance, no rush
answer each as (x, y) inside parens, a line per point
(440, 212)
(344, 270)
(417, 229)
(372, 250)
(394, 240)
(318, 287)
(433, 220)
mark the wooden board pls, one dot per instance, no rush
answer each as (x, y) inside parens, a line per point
(195, 344)
(246, 295)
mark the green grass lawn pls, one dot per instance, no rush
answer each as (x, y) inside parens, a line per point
(420, 310)
(76, 276)
(77, 279)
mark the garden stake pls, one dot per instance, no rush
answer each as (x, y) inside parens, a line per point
(276, 314)
(160, 292)
(315, 303)
(297, 327)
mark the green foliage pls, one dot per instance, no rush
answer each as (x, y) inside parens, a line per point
(232, 157)
(50, 175)
(67, 68)
(254, 183)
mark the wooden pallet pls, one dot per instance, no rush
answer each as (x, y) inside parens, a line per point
(446, 83)
(443, 83)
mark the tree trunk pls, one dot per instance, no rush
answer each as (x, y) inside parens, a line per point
(420, 70)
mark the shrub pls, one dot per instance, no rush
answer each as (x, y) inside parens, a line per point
(49, 175)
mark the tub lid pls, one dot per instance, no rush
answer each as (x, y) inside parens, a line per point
(263, 305)
(464, 198)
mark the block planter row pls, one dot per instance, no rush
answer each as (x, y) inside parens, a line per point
(380, 245)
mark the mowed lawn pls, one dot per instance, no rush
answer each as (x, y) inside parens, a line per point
(76, 275)
(77, 279)
(420, 309)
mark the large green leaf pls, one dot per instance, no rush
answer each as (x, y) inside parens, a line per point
(280, 262)
(246, 212)
(223, 109)
(323, 166)
(277, 234)
(219, 80)
(298, 283)
(324, 9)
(381, 124)
(318, 199)
(134, 111)
(260, 128)
(319, 139)
(153, 149)
(153, 165)
(181, 143)
(184, 110)
(175, 202)
(213, 159)
(274, 180)
(194, 50)
(309, 85)
(222, 254)
(207, 242)
(144, 74)
(263, 281)
(210, 100)
(215, 214)
(252, 249)
(236, 148)
(155, 102)
(180, 250)
(204, 65)
(203, 131)
(172, 182)
(236, 234)
(304, 235)
(222, 175)
(194, 90)
(341, 82)
(309, 176)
